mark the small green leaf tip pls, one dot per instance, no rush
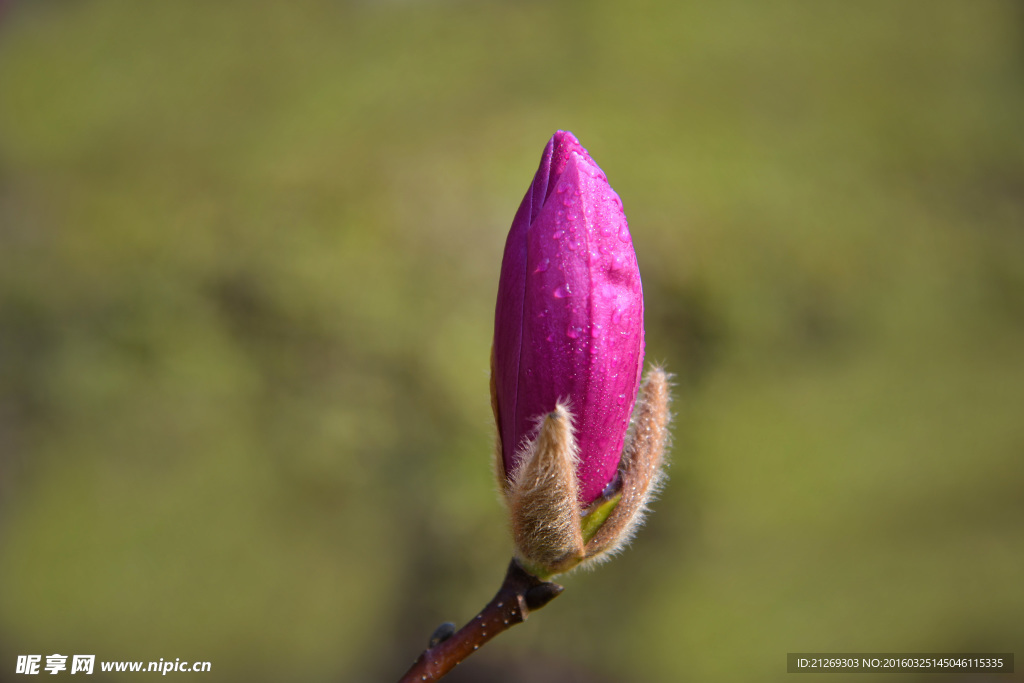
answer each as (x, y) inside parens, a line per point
(597, 516)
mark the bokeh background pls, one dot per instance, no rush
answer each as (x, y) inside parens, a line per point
(248, 256)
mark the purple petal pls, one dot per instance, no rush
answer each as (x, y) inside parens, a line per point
(569, 323)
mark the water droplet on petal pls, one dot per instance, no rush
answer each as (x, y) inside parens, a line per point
(542, 266)
(622, 399)
(561, 292)
(624, 233)
(571, 332)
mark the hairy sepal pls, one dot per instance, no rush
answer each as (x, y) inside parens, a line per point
(641, 470)
(543, 498)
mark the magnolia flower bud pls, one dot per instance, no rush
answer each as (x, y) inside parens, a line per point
(568, 351)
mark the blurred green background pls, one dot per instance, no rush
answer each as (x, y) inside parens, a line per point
(248, 256)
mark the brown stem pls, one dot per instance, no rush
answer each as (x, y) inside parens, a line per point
(520, 593)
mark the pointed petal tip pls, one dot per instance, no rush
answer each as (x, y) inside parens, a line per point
(564, 137)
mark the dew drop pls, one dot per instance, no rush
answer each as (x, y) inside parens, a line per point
(476, 647)
(551, 337)
(617, 316)
(557, 234)
(542, 266)
(561, 292)
(624, 233)
(622, 399)
(571, 332)
(595, 331)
